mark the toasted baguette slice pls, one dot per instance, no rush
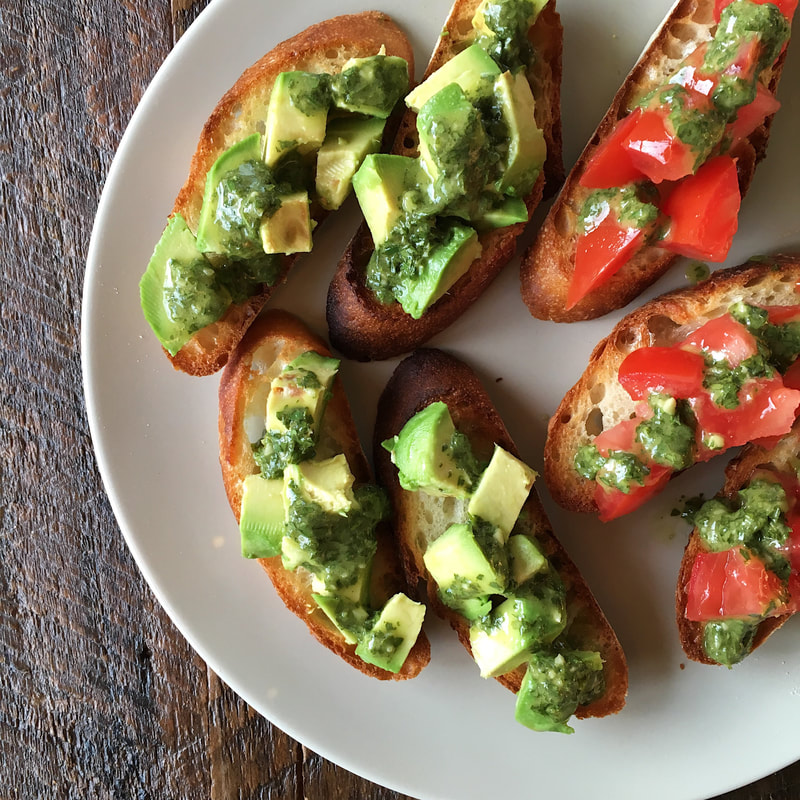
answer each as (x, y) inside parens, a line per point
(272, 342)
(365, 329)
(781, 458)
(598, 401)
(323, 47)
(548, 265)
(428, 376)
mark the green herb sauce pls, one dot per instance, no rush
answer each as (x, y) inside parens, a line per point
(378, 82)
(618, 470)
(624, 204)
(728, 641)
(507, 41)
(277, 448)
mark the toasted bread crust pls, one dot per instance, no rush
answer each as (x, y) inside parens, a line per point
(598, 401)
(323, 47)
(365, 329)
(428, 376)
(273, 341)
(548, 265)
(737, 474)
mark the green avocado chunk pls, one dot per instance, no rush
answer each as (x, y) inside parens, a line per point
(348, 141)
(297, 115)
(468, 69)
(178, 291)
(509, 211)
(288, 229)
(423, 454)
(371, 85)
(261, 519)
(525, 557)
(389, 641)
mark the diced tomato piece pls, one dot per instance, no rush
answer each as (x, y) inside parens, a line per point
(749, 117)
(780, 315)
(791, 378)
(703, 211)
(691, 76)
(766, 408)
(724, 338)
(621, 437)
(655, 150)
(613, 503)
(601, 253)
(730, 584)
(610, 164)
(793, 604)
(669, 370)
(786, 7)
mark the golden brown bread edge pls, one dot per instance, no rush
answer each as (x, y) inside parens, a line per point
(365, 329)
(737, 474)
(323, 47)
(274, 340)
(548, 264)
(429, 376)
(597, 401)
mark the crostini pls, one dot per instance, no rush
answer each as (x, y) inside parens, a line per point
(299, 486)
(665, 171)
(276, 155)
(682, 379)
(470, 525)
(740, 576)
(480, 138)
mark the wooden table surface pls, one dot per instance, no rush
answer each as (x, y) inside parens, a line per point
(100, 696)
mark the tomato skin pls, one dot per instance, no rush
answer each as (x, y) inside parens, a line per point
(612, 503)
(786, 7)
(704, 211)
(791, 378)
(749, 117)
(655, 150)
(621, 437)
(766, 408)
(780, 315)
(600, 254)
(727, 584)
(724, 338)
(610, 164)
(667, 370)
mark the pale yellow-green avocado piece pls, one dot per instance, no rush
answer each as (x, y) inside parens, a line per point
(505, 648)
(261, 517)
(401, 617)
(526, 146)
(288, 230)
(328, 483)
(502, 490)
(288, 126)
(468, 69)
(479, 21)
(525, 557)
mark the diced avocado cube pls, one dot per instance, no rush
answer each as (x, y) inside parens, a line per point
(443, 267)
(304, 383)
(452, 145)
(526, 558)
(555, 685)
(509, 212)
(380, 185)
(468, 69)
(393, 635)
(505, 639)
(371, 86)
(473, 608)
(348, 617)
(526, 146)
(348, 141)
(262, 515)
(423, 456)
(328, 483)
(460, 568)
(292, 555)
(502, 490)
(177, 246)
(288, 230)
(296, 115)
(487, 15)
(211, 237)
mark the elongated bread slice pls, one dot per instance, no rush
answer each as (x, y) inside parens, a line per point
(323, 47)
(271, 343)
(429, 376)
(598, 402)
(782, 458)
(365, 329)
(548, 265)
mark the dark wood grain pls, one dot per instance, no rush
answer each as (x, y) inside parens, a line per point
(100, 696)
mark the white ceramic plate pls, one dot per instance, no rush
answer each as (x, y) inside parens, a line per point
(688, 731)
